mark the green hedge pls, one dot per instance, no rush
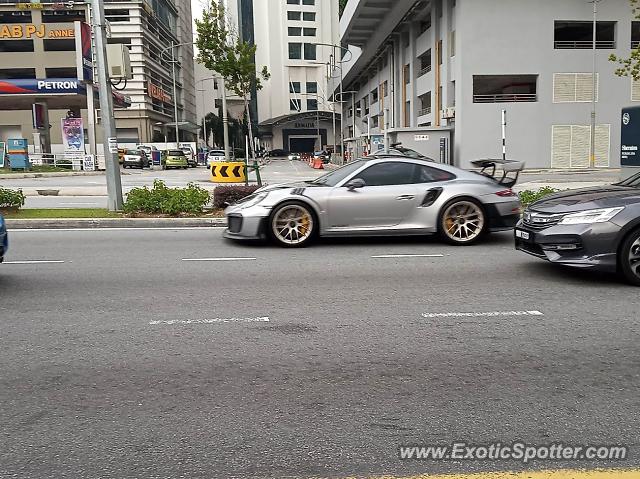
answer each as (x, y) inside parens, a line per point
(167, 201)
(224, 195)
(528, 197)
(13, 199)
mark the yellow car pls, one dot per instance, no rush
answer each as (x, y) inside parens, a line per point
(174, 159)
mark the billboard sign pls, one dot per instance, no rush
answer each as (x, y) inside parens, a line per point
(630, 142)
(84, 52)
(73, 135)
(32, 86)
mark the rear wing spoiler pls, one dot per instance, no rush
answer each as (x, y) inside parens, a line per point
(488, 168)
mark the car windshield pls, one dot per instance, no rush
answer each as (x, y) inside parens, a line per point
(632, 181)
(216, 153)
(335, 177)
(176, 153)
(132, 152)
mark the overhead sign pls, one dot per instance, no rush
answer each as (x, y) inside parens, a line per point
(30, 86)
(34, 31)
(158, 93)
(305, 125)
(84, 51)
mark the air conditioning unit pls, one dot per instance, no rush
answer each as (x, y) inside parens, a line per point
(119, 62)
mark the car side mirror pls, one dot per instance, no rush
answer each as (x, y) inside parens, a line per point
(355, 183)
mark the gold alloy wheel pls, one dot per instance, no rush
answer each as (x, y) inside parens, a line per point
(463, 221)
(292, 224)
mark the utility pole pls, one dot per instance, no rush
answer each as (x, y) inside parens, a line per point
(592, 151)
(175, 93)
(112, 165)
(225, 120)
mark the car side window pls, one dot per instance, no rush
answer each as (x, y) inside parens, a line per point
(427, 174)
(388, 173)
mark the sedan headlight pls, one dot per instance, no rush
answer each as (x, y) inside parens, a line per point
(252, 200)
(591, 216)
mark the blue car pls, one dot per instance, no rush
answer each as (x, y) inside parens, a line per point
(4, 239)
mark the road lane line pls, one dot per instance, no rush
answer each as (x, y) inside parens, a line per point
(262, 319)
(392, 256)
(219, 259)
(43, 261)
(478, 314)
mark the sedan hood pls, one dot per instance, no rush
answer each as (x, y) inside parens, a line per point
(588, 199)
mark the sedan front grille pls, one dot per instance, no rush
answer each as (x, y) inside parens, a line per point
(235, 224)
(539, 221)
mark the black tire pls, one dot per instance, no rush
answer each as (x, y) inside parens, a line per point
(312, 225)
(630, 268)
(476, 213)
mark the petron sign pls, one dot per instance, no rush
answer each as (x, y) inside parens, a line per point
(52, 86)
(34, 31)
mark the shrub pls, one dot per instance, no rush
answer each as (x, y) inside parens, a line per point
(11, 198)
(168, 201)
(530, 196)
(224, 195)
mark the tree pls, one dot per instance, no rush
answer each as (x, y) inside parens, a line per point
(629, 67)
(343, 3)
(220, 49)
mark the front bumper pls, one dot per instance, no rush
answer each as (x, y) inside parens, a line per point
(246, 224)
(583, 246)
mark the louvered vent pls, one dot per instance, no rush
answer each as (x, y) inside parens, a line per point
(574, 87)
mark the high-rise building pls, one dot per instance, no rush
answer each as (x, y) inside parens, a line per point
(294, 41)
(39, 85)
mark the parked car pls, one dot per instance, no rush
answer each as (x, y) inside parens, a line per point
(174, 159)
(596, 228)
(294, 156)
(387, 196)
(192, 161)
(4, 239)
(213, 156)
(135, 158)
(121, 155)
(278, 154)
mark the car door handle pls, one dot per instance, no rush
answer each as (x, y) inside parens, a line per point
(405, 197)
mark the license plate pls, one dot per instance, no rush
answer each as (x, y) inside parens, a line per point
(522, 234)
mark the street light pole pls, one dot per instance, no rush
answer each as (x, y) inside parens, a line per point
(175, 93)
(225, 120)
(112, 165)
(592, 151)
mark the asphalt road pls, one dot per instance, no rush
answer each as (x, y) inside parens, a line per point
(123, 360)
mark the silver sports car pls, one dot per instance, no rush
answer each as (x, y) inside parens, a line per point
(389, 195)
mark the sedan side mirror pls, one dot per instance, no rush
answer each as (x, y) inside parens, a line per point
(355, 183)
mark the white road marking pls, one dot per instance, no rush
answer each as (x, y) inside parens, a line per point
(219, 259)
(212, 321)
(390, 256)
(482, 314)
(43, 261)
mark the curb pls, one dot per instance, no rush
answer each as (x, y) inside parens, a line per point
(19, 176)
(97, 223)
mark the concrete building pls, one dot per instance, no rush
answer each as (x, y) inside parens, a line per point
(443, 71)
(38, 47)
(293, 109)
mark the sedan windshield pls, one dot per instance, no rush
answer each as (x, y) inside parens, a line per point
(632, 181)
(335, 177)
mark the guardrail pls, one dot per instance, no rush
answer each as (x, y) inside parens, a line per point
(424, 71)
(69, 161)
(504, 98)
(583, 44)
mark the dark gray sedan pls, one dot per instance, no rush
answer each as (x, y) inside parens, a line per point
(596, 228)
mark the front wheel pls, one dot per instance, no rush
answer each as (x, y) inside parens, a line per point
(629, 258)
(292, 225)
(462, 222)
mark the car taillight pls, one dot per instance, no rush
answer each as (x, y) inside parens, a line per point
(506, 193)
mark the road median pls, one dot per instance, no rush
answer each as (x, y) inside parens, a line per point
(96, 223)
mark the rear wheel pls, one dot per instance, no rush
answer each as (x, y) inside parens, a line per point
(292, 225)
(629, 258)
(462, 222)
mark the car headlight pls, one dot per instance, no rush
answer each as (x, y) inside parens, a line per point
(601, 215)
(252, 200)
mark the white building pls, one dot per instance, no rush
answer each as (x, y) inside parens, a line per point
(293, 108)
